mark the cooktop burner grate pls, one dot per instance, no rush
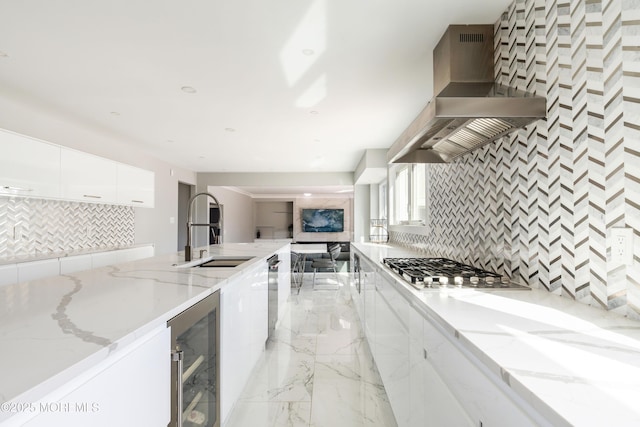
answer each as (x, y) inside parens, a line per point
(439, 272)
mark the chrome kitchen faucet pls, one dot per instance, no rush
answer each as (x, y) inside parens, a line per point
(190, 224)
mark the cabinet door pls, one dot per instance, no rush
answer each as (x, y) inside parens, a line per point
(136, 186)
(128, 389)
(392, 347)
(430, 398)
(484, 399)
(28, 167)
(87, 178)
(369, 277)
(243, 331)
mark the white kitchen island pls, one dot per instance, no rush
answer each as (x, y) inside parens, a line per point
(61, 332)
(502, 358)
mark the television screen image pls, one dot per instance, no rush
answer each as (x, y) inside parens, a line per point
(322, 220)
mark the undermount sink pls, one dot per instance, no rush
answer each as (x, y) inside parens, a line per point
(225, 262)
(217, 261)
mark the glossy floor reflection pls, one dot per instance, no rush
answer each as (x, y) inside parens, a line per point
(317, 370)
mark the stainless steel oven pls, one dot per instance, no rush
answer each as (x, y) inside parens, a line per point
(195, 373)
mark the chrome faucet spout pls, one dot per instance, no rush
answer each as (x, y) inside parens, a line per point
(191, 224)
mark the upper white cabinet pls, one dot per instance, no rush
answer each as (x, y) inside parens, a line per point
(33, 168)
(88, 178)
(28, 167)
(135, 186)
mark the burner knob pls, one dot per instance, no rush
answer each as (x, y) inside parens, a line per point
(428, 280)
(458, 281)
(474, 280)
(443, 280)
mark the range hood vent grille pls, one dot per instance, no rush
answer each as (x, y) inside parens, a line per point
(471, 38)
(469, 110)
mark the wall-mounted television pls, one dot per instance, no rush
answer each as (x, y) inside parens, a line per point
(322, 220)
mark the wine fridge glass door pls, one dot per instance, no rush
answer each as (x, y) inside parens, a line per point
(196, 370)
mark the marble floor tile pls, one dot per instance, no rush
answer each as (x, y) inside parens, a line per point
(317, 369)
(271, 414)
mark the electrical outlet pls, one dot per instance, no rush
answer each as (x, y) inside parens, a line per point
(622, 245)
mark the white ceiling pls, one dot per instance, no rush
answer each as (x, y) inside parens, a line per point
(282, 86)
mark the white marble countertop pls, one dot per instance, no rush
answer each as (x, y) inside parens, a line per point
(575, 364)
(52, 329)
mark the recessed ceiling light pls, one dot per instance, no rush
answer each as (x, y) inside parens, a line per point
(350, 190)
(230, 129)
(3, 54)
(188, 89)
(308, 52)
(201, 157)
(307, 194)
(170, 141)
(313, 112)
(115, 114)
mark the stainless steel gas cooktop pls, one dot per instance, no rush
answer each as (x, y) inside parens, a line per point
(424, 273)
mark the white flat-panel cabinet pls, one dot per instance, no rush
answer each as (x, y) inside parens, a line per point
(485, 401)
(28, 167)
(243, 331)
(430, 398)
(33, 168)
(130, 388)
(392, 347)
(88, 178)
(368, 277)
(284, 280)
(135, 186)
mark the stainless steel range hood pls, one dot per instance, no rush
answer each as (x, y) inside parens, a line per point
(469, 110)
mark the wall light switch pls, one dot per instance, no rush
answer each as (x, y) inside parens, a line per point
(622, 245)
(172, 220)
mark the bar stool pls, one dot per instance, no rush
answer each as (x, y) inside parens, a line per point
(327, 263)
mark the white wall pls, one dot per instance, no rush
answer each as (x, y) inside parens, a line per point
(152, 225)
(361, 213)
(237, 218)
(273, 219)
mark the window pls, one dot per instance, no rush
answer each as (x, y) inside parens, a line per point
(401, 199)
(382, 200)
(409, 194)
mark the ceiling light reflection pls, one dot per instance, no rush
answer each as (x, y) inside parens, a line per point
(311, 31)
(314, 94)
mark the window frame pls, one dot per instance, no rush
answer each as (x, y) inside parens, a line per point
(415, 194)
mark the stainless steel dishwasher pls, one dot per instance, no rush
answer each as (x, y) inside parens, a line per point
(272, 316)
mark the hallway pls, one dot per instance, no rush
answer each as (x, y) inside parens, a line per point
(317, 370)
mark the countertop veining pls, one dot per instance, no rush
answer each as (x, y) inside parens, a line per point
(59, 326)
(575, 364)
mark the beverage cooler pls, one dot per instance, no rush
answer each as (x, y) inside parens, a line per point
(195, 373)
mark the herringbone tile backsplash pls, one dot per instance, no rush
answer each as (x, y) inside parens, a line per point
(35, 227)
(539, 205)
